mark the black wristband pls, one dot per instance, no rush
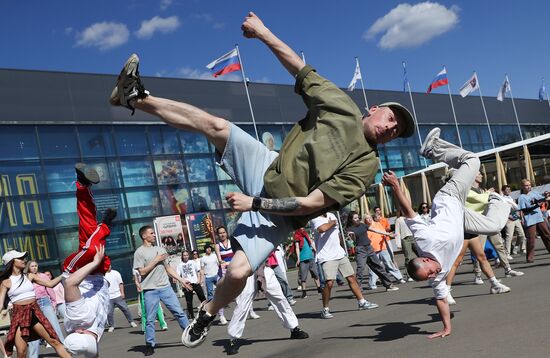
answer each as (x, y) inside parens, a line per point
(256, 203)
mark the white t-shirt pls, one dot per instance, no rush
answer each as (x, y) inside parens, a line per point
(188, 270)
(440, 239)
(114, 280)
(328, 242)
(209, 264)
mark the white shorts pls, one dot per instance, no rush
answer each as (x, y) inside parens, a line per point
(90, 311)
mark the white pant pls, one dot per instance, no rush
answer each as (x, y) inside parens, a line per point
(274, 295)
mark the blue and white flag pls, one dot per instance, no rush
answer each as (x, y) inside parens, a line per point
(542, 91)
(356, 76)
(405, 78)
(503, 89)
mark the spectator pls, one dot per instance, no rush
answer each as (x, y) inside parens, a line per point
(154, 269)
(59, 291)
(305, 253)
(513, 226)
(424, 212)
(117, 299)
(532, 218)
(224, 253)
(141, 305)
(191, 272)
(405, 240)
(210, 266)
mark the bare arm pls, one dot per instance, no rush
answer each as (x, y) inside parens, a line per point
(445, 313)
(326, 227)
(172, 273)
(121, 288)
(295, 206)
(43, 281)
(72, 292)
(253, 27)
(381, 232)
(389, 179)
(3, 291)
(298, 253)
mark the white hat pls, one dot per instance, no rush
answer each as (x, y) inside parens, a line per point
(12, 254)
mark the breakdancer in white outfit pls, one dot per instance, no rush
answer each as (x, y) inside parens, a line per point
(274, 295)
(440, 240)
(87, 301)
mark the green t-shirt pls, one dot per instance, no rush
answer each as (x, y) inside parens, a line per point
(326, 150)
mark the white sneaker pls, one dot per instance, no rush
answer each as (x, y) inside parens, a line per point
(427, 147)
(133, 324)
(402, 281)
(498, 288)
(299, 288)
(478, 280)
(111, 329)
(254, 315)
(223, 321)
(510, 258)
(513, 273)
(367, 305)
(270, 308)
(292, 302)
(450, 300)
(325, 313)
(410, 280)
(392, 287)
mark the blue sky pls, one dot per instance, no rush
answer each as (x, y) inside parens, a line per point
(177, 38)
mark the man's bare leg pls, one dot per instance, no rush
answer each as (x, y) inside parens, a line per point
(187, 117)
(231, 284)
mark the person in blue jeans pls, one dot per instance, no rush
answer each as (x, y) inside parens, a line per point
(150, 261)
(45, 297)
(210, 267)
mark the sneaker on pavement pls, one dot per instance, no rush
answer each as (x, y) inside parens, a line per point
(325, 313)
(402, 281)
(367, 305)
(304, 294)
(298, 333)
(111, 329)
(410, 279)
(254, 315)
(128, 86)
(478, 280)
(371, 288)
(232, 347)
(149, 350)
(291, 302)
(513, 273)
(392, 287)
(196, 332)
(450, 300)
(510, 257)
(427, 147)
(133, 324)
(223, 321)
(270, 308)
(85, 174)
(165, 328)
(498, 288)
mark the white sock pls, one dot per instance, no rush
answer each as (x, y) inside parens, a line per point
(493, 280)
(361, 301)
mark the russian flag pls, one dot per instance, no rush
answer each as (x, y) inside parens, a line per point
(439, 80)
(225, 64)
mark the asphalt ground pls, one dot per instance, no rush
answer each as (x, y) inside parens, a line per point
(515, 324)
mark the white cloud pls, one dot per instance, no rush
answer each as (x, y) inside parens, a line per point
(208, 19)
(193, 73)
(165, 4)
(164, 25)
(103, 35)
(412, 25)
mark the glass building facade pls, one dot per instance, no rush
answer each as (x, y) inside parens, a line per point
(148, 169)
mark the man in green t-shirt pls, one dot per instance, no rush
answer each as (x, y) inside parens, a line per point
(326, 161)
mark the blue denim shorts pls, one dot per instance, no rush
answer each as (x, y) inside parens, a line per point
(246, 160)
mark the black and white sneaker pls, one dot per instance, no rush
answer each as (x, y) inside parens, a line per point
(427, 147)
(86, 175)
(196, 332)
(232, 347)
(297, 333)
(128, 86)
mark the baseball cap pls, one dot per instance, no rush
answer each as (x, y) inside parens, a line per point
(12, 254)
(404, 113)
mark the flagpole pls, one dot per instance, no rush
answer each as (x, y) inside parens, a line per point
(454, 114)
(247, 94)
(484, 111)
(547, 96)
(414, 112)
(303, 56)
(362, 84)
(514, 106)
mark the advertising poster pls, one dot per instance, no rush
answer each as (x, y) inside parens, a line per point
(171, 234)
(201, 230)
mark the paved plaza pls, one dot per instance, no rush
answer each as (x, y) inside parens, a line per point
(484, 325)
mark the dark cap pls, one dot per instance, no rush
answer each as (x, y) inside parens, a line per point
(404, 113)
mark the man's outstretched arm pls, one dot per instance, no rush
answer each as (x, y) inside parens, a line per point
(445, 313)
(253, 27)
(390, 179)
(295, 206)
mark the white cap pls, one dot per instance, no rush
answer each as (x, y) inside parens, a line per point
(12, 254)
(81, 344)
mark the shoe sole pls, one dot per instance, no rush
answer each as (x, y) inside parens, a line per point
(89, 173)
(434, 133)
(187, 342)
(129, 69)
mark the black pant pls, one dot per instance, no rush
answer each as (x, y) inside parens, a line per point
(373, 262)
(189, 298)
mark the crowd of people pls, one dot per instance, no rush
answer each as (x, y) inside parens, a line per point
(327, 161)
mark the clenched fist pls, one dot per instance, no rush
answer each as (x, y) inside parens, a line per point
(239, 201)
(252, 26)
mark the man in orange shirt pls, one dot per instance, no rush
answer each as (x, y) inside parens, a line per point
(378, 242)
